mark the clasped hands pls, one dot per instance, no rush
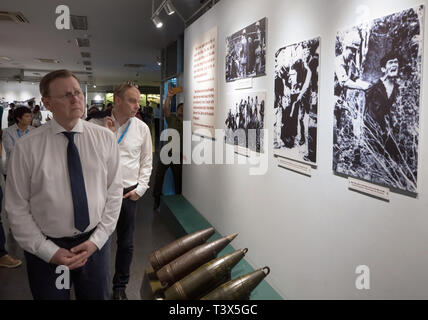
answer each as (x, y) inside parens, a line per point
(75, 257)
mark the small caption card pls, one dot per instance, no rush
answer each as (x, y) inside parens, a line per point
(244, 84)
(294, 165)
(369, 188)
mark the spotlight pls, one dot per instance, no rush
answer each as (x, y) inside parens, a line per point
(169, 8)
(158, 61)
(95, 86)
(158, 23)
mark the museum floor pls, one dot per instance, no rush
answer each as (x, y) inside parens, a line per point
(150, 234)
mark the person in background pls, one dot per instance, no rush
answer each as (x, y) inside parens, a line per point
(157, 116)
(139, 114)
(6, 260)
(148, 114)
(109, 107)
(63, 195)
(10, 117)
(1, 114)
(31, 105)
(174, 122)
(92, 110)
(135, 144)
(15, 132)
(37, 117)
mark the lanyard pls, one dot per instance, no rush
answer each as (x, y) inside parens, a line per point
(19, 132)
(124, 132)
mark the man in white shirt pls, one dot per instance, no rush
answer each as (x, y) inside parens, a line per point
(63, 195)
(135, 144)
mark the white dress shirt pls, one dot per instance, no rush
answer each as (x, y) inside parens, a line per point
(10, 136)
(135, 152)
(38, 197)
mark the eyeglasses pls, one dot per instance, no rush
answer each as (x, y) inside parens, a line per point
(78, 94)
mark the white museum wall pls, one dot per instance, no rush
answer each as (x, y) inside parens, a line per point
(311, 231)
(14, 90)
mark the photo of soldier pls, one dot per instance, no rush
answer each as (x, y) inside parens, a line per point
(377, 97)
(296, 101)
(246, 52)
(244, 125)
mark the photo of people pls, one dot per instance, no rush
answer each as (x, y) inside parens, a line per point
(377, 95)
(246, 52)
(296, 101)
(245, 120)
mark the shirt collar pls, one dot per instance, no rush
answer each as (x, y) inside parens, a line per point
(115, 121)
(57, 128)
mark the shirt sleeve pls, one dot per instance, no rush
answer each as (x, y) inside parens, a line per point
(7, 142)
(145, 163)
(114, 196)
(17, 206)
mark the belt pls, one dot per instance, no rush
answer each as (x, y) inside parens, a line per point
(126, 190)
(76, 237)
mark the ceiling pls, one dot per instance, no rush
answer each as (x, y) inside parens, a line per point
(120, 32)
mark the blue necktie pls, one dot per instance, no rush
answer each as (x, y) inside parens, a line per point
(77, 182)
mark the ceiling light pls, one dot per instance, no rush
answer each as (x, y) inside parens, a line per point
(95, 86)
(158, 23)
(169, 8)
(46, 60)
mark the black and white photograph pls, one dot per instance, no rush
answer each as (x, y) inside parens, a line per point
(245, 120)
(246, 52)
(296, 101)
(377, 78)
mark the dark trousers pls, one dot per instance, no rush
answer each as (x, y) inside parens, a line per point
(3, 250)
(160, 174)
(125, 243)
(91, 282)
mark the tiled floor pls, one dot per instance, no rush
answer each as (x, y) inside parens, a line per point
(150, 234)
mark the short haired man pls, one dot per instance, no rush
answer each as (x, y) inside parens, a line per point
(63, 195)
(12, 134)
(135, 144)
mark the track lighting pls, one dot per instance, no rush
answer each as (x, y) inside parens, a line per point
(157, 21)
(169, 8)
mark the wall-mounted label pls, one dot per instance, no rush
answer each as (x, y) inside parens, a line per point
(369, 188)
(294, 165)
(204, 83)
(243, 84)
